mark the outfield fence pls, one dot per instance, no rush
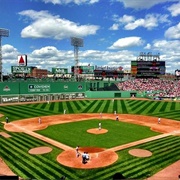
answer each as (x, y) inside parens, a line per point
(30, 91)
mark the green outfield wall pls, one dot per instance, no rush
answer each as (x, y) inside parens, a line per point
(49, 91)
(113, 94)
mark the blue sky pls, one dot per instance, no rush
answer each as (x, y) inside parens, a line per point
(114, 32)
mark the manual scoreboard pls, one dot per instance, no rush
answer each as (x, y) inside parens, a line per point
(147, 68)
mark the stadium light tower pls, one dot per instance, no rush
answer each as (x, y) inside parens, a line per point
(3, 33)
(76, 42)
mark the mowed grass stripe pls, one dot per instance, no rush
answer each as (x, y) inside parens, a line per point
(27, 140)
(107, 103)
(165, 156)
(56, 107)
(51, 106)
(123, 164)
(173, 106)
(87, 109)
(19, 168)
(27, 143)
(31, 160)
(85, 102)
(23, 162)
(133, 102)
(136, 105)
(35, 105)
(12, 113)
(153, 107)
(145, 164)
(163, 108)
(43, 105)
(28, 158)
(111, 107)
(64, 105)
(70, 106)
(77, 105)
(119, 107)
(98, 106)
(29, 112)
(32, 112)
(60, 107)
(152, 146)
(124, 108)
(157, 110)
(115, 107)
(173, 116)
(142, 109)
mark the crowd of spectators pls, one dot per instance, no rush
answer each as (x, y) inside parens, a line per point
(153, 87)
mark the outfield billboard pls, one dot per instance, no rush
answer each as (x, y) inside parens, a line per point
(39, 88)
(83, 69)
(21, 69)
(59, 70)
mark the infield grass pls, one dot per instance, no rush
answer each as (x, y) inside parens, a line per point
(75, 133)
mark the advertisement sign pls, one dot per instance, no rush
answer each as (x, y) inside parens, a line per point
(83, 69)
(21, 69)
(59, 70)
(22, 60)
(39, 87)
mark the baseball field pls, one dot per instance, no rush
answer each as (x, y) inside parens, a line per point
(137, 146)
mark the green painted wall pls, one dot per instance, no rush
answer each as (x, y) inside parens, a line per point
(11, 88)
(112, 94)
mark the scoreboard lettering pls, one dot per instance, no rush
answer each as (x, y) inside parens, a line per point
(83, 69)
(147, 68)
(108, 73)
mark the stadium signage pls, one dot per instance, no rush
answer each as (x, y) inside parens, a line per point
(10, 99)
(59, 70)
(108, 68)
(22, 60)
(83, 69)
(80, 95)
(6, 88)
(21, 69)
(39, 87)
(65, 87)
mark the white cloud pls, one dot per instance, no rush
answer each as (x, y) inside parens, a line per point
(175, 9)
(9, 52)
(173, 32)
(148, 46)
(127, 42)
(149, 22)
(114, 27)
(78, 2)
(45, 25)
(142, 4)
(170, 51)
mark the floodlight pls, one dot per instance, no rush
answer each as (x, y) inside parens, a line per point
(76, 42)
(4, 32)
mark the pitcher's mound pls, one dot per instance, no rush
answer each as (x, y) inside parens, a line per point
(97, 131)
(99, 157)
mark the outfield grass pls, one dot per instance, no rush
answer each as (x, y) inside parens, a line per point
(162, 109)
(14, 150)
